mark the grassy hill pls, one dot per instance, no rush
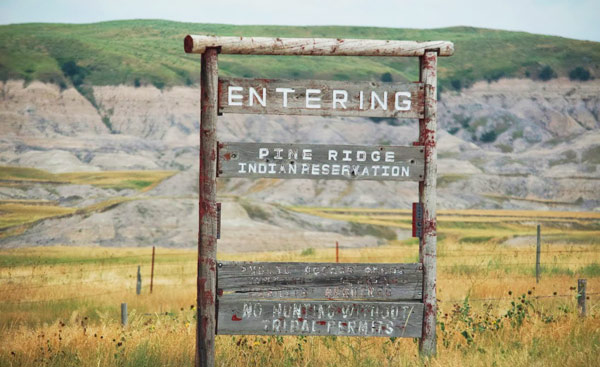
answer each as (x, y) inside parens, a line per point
(142, 52)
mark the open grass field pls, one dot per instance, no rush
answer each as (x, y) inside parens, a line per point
(139, 52)
(59, 306)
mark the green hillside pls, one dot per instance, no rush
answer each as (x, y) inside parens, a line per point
(142, 52)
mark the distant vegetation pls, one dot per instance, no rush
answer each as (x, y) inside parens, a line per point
(150, 52)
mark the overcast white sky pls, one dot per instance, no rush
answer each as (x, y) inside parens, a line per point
(574, 19)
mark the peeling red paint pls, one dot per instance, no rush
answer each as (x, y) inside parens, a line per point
(321, 323)
(300, 319)
(227, 156)
(429, 226)
(235, 318)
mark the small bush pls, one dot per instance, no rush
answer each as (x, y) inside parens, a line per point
(387, 77)
(579, 73)
(74, 72)
(547, 73)
(456, 84)
(488, 137)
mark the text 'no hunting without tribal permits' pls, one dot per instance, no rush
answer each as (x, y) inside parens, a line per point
(311, 161)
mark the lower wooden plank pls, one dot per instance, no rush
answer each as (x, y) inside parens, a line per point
(324, 281)
(342, 318)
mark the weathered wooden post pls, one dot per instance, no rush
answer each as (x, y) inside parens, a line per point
(123, 314)
(337, 252)
(207, 236)
(581, 296)
(152, 271)
(427, 197)
(538, 253)
(138, 286)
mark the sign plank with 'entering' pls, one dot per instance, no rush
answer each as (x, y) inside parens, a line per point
(343, 318)
(321, 98)
(311, 161)
(324, 281)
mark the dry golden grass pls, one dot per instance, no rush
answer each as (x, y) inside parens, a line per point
(13, 214)
(136, 180)
(59, 306)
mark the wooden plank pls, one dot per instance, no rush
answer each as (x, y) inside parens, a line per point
(325, 281)
(384, 319)
(313, 161)
(314, 46)
(321, 98)
(207, 237)
(427, 196)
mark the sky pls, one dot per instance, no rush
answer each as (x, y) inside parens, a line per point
(573, 19)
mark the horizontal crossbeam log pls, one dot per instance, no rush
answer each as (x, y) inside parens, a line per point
(314, 46)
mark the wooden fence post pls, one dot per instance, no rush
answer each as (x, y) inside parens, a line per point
(207, 232)
(123, 314)
(427, 196)
(138, 287)
(337, 252)
(152, 271)
(581, 285)
(538, 253)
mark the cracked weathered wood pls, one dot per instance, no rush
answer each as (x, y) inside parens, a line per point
(207, 236)
(427, 196)
(320, 98)
(314, 46)
(342, 318)
(318, 161)
(324, 281)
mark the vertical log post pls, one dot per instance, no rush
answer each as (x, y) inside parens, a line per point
(337, 252)
(427, 196)
(123, 314)
(581, 284)
(538, 253)
(138, 286)
(152, 272)
(207, 232)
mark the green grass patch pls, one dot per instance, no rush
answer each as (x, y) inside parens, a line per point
(308, 252)
(591, 270)
(149, 52)
(364, 229)
(475, 239)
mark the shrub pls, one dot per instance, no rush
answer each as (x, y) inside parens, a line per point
(387, 77)
(547, 73)
(579, 73)
(456, 84)
(488, 136)
(74, 72)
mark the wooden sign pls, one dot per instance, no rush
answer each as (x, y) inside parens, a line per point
(385, 319)
(325, 281)
(321, 98)
(329, 162)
